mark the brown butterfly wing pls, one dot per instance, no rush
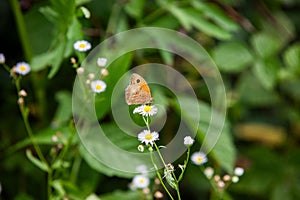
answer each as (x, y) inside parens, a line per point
(138, 92)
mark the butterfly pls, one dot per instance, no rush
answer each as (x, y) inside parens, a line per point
(138, 91)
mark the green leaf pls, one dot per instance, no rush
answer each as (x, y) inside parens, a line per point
(43, 166)
(214, 13)
(64, 111)
(291, 88)
(130, 195)
(266, 72)
(224, 151)
(266, 44)
(181, 16)
(232, 57)
(135, 8)
(292, 58)
(117, 138)
(59, 54)
(253, 93)
(199, 22)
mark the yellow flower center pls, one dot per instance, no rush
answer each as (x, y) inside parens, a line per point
(147, 108)
(148, 136)
(82, 45)
(98, 87)
(141, 181)
(23, 68)
(199, 159)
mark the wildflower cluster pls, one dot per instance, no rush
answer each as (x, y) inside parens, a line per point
(221, 183)
(97, 86)
(149, 138)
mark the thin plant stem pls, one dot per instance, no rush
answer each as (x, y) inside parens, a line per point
(28, 127)
(159, 177)
(15, 6)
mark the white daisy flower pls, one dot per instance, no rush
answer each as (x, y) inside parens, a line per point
(238, 171)
(188, 141)
(209, 172)
(148, 137)
(2, 58)
(199, 158)
(101, 62)
(145, 110)
(22, 68)
(82, 45)
(140, 181)
(235, 179)
(98, 86)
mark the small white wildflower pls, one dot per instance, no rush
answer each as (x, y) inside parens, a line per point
(2, 58)
(98, 86)
(235, 179)
(101, 62)
(91, 76)
(199, 158)
(104, 72)
(209, 172)
(86, 12)
(22, 68)
(140, 181)
(238, 171)
(80, 70)
(221, 184)
(141, 148)
(226, 177)
(145, 110)
(148, 137)
(82, 45)
(188, 141)
(23, 93)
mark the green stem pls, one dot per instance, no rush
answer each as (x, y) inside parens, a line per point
(49, 183)
(75, 168)
(24, 113)
(185, 164)
(15, 6)
(159, 177)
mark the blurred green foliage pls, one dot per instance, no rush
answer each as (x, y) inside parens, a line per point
(255, 45)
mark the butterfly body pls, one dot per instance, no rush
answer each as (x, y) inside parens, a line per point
(138, 91)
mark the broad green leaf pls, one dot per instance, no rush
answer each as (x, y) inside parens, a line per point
(64, 111)
(292, 58)
(135, 8)
(56, 63)
(216, 14)
(250, 91)
(224, 151)
(199, 22)
(266, 72)
(167, 57)
(130, 195)
(181, 16)
(164, 21)
(117, 138)
(41, 61)
(43, 166)
(266, 44)
(291, 88)
(232, 57)
(36, 26)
